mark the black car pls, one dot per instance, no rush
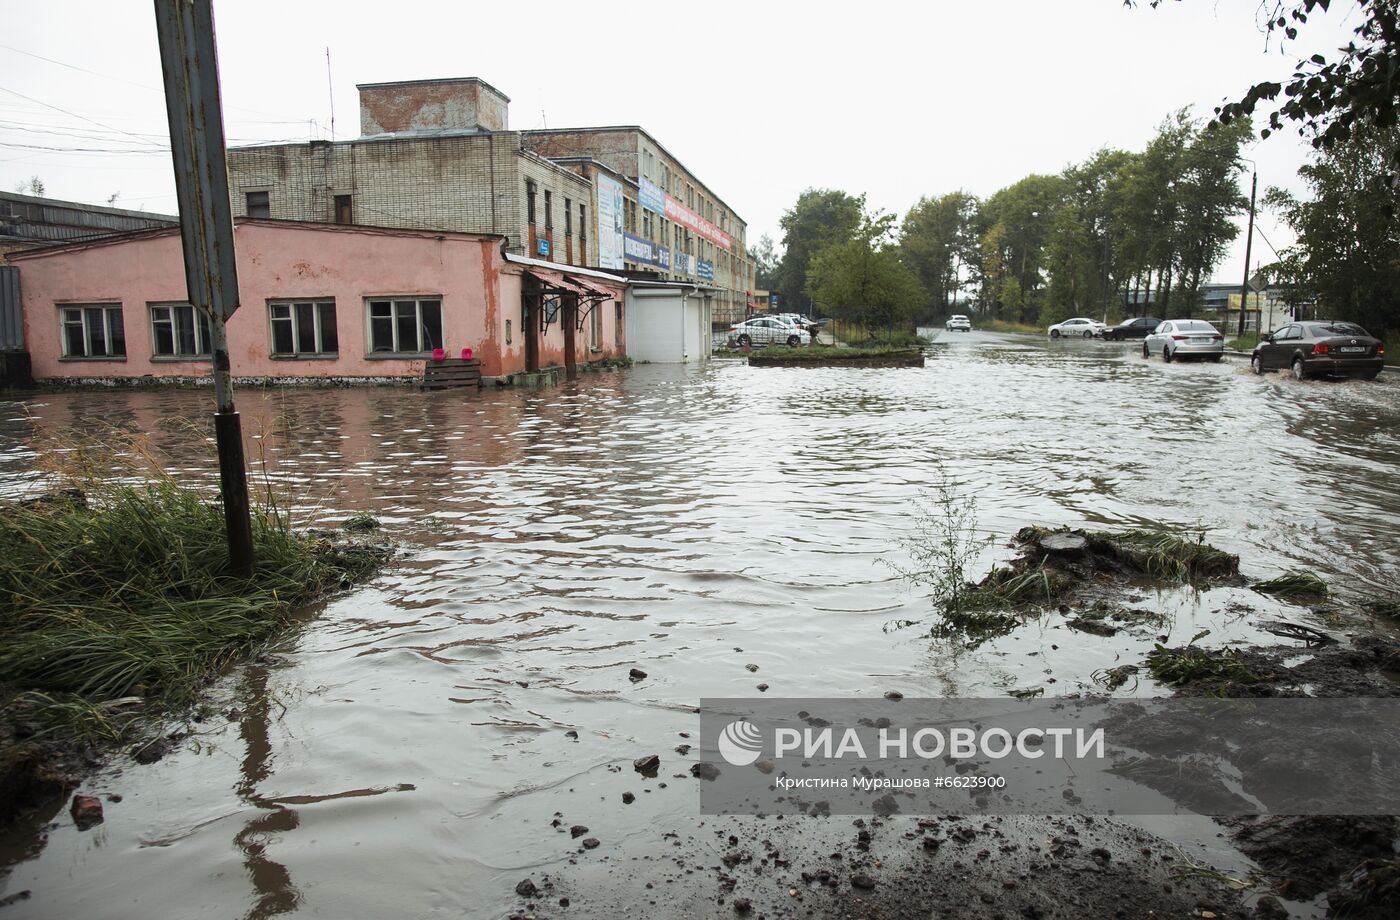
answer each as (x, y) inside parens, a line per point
(1320, 349)
(1138, 328)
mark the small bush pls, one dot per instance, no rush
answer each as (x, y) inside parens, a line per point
(1294, 585)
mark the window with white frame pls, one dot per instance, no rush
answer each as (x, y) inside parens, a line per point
(408, 326)
(303, 328)
(92, 331)
(178, 330)
(595, 327)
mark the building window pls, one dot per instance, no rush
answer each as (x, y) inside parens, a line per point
(530, 201)
(343, 213)
(595, 328)
(582, 224)
(548, 211)
(508, 338)
(93, 331)
(617, 323)
(179, 331)
(258, 204)
(303, 327)
(568, 217)
(407, 327)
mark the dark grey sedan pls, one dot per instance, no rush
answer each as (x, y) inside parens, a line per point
(1320, 349)
(1138, 328)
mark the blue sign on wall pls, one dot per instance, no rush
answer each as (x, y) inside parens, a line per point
(650, 196)
(542, 247)
(773, 300)
(706, 270)
(636, 249)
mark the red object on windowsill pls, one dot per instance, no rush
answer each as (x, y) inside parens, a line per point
(466, 354)
(439, 354)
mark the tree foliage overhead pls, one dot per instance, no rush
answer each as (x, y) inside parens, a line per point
(1329, 99)
(820, 218)
(939, 240)
(765, 263)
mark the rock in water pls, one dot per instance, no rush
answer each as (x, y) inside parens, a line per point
(87, 811)
(636, 674)
(526, 888)
(647, 765)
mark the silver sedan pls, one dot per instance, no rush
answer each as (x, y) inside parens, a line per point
(1185, 338)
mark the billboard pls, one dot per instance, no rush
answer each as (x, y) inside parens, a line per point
(609, 222)
(684, 262)
(705, 270)
(650, 196)
(645, 252)
(682, 215)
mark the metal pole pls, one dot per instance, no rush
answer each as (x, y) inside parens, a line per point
(1248, 244)
(192, 102)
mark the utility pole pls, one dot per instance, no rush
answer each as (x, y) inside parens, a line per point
(1248, 244)
(191, 74)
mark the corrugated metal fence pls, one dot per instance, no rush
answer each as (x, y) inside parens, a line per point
(11, 320)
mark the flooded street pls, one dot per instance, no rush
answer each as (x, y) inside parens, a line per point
(404, 754)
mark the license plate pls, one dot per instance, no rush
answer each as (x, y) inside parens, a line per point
(1352, 349)
(1200, 339)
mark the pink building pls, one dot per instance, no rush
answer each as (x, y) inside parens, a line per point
(318, 302)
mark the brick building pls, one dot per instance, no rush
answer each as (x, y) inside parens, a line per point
(439, 154)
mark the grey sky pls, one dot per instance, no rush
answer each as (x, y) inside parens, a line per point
(761, 100)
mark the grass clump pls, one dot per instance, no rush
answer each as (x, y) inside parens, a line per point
(363, 522)
(827, 352)
(1168, 557)
(122, 592)
(1000, 325)
(1293, 584)
(1189, 664)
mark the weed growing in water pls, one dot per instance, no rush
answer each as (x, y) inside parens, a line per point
(1294, 584)
(944, 545)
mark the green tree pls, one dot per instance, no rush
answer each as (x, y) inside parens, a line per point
(33, 186)
(938, 239)
(1346, 258)
(1025, 211)
(864, 280)
(765, 263)
(1327, 99)
(820, 218)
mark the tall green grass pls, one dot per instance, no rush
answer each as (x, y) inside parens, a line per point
(122, 590)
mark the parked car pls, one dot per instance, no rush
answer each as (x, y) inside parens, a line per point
(1184, 338)
(1139, 327)
(798, 319)
(1078, 327)
(1320, 349)
(958, 323)
(769, 330)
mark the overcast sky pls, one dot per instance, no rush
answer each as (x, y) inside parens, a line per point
(761, 100)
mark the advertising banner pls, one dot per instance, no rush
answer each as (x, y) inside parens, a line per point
(685, 263)
(645, 252)
(705, 270)
(650, 196)
(609, 223)
(682, 215)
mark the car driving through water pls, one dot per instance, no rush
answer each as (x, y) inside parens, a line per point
(1185, 338)
(1320, 349)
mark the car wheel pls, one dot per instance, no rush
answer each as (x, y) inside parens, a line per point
(1298, 372)
(1089, 335)
(1145, 353)
(1370, 375)
(1256, 364)
(1215, 359)
(745, 341)
(793, 341)
(1054, 333)
(1166, 355)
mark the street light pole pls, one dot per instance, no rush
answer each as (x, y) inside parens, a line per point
(191, 73)
(1248, 245)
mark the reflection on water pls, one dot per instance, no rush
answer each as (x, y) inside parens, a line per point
(686, 521)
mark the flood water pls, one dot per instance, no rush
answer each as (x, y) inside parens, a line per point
(403, 753)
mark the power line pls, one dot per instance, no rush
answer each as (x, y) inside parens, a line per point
(72, 114)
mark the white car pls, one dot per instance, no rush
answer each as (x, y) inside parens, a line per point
(769, 330)
(958, 324)
(1185, 338)
(1076, 328)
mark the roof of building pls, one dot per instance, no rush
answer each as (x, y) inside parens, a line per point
(432, 82)
(154, 232)
(560, 267)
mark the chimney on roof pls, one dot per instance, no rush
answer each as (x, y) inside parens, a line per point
(458, 104)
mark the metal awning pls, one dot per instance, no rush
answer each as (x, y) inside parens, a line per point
(551, 287)
(588, 299)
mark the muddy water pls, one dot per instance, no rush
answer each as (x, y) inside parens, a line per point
(404, 753)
